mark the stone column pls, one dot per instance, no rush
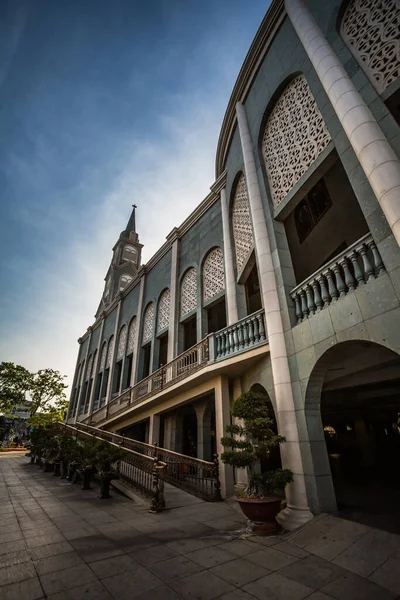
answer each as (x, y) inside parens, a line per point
(376, 156)
(203, 431)
(136, 347)
(154, 429)
(112, 366)
(75, 383)
(297, 512)
(95, 367)
(173, 287)
(231, 301)
(223, 418)
(82, 400)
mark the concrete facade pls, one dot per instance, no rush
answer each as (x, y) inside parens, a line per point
(360, 171)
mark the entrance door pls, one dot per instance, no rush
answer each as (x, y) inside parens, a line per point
(216, 316)
(189, 333)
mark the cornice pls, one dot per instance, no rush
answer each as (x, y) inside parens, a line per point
(258, 49)
(219, 183)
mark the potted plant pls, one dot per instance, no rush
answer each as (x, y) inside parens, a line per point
(106, 456)
(87, 453)
(244, 447)
(66, 453)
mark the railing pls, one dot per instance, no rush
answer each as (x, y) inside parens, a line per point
(182, 366)
(138, 470)
(241, 336)
(196, 476)
(353, 267)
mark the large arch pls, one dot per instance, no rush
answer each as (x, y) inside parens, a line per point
(352, 402)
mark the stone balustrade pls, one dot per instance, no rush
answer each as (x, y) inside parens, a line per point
(353, 267)
(241, 336)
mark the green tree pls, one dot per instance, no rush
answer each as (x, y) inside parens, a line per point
(43, 393)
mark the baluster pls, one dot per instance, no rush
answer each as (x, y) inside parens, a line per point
(304, 308)
(356, 266)
(339, 280)
(240, 336)
(261, 327)
(317, 295)
(235, 339)
(218, 344)
(348, 275)
(251, 334)
(245, 334)
(378, 262)
(223, 344)
(228, 345)
(310, 300)
(334, 294)
(297, 302)
(255, 325)
(368, 268)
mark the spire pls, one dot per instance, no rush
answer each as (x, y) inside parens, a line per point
(131, 225)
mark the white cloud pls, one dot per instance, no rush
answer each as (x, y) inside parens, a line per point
(166, 176)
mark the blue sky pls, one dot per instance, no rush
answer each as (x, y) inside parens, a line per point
(102, 104)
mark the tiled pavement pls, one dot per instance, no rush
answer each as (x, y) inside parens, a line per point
(59, 542)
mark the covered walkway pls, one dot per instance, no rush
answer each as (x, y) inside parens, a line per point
(59, 542)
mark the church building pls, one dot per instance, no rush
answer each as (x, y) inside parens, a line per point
(284, 280)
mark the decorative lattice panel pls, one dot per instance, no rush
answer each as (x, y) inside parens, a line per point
(213, 274)
(124, 281)
(294, 137)
(189, 292)
(82, 373)
(148, 321)
(241, 224)
(110, 351)
(89, 367)
(103, 357)
(132, 336)
(121, 343)
(371, 30)
(93, 364)
(163, 311)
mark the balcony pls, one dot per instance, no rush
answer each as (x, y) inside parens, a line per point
(353, 267)
(245, 335)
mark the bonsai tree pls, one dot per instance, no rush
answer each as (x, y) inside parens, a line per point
(86, 451)
(105, 457)
(245, 445)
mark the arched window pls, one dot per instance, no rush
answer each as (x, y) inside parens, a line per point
(294, 137)
(89, 367)
(213, 274)
(370, 29)
(110, 351)
(163, 311)
(148, 321)
(103, 357)
(93, 364)
(189, 291)
(241, 224)
(121, 343)
(124, 280)
(129, 253)
(131, 336)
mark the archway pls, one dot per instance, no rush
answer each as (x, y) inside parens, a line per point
(274, 459)
(353, 422)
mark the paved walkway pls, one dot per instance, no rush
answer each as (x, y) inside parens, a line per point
(59, 542)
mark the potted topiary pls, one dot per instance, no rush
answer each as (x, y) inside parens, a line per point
(244, 447)
(106, 455)
(66, 453)
(87, 454)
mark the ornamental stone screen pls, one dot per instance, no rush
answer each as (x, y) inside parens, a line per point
(213, 274)
(163, 311)
(148, 320)
(131, 336)
(121, 343)
(294, 137)
(370, 29)
(110, 351)
(241, 224)
(103, 357)
(189, 292)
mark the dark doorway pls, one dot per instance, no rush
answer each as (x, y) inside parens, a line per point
(189, 333)
(146, 360)
(163, 350)
(189, 431)
(137, 431)
(253, 294)
(216, 316)
(128, 371)
(117, 378)
(274, 460)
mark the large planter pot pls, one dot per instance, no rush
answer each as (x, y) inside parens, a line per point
(57, 469)
(105, 481)
(85, 476)
(48, 466)
(261, 513)
(71, 471)
(64, 469)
